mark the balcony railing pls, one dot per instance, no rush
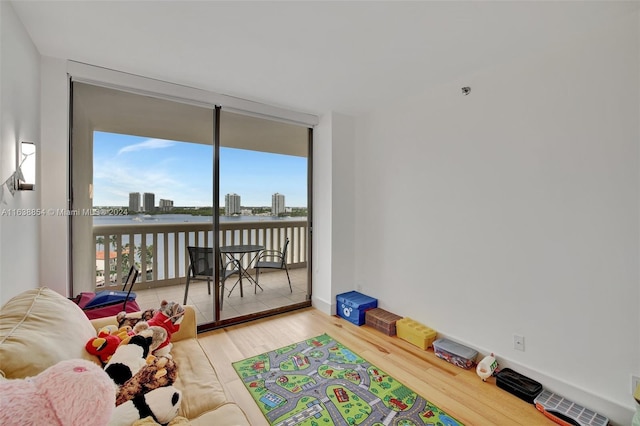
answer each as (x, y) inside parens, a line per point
(161, 249)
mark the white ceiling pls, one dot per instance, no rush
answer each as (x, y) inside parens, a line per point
(309, 56)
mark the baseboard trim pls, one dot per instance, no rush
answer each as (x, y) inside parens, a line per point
(618, 414)
(323, 305)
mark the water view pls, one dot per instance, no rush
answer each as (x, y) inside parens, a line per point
(183, 218)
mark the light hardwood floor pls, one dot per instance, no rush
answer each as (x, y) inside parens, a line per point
(459, 392)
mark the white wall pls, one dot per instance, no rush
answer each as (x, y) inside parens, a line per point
(343, 205)
(54, 168)
(333, 221)
(19, 121)
(321, 255)
(516, 210)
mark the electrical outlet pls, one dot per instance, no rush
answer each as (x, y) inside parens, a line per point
(635, 382)
(518, 342)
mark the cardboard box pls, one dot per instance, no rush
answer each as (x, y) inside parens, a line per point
(382, 320)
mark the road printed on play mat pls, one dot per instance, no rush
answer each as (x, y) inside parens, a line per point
(321, 382)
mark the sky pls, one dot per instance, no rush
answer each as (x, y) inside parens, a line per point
(183, 172)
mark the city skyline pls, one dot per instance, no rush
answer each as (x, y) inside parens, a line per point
(183, 172)
(232, 203)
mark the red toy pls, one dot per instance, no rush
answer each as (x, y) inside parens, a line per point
(104, 345)
(169, 317)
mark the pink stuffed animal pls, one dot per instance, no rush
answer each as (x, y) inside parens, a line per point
(73, 392)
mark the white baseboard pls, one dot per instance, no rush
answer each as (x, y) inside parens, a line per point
(323, 305)
(618, 414)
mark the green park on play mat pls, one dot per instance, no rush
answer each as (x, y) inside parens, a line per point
(321, 382)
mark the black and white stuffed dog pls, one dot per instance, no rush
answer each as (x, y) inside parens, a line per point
(129, 359)
(162, 404)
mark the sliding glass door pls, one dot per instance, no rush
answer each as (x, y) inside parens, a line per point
(264, 214)
(151, 177)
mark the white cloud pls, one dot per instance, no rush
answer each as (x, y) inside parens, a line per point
(113, 181)
(148, 144)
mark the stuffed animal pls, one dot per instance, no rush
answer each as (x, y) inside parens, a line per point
(123, 332)
(128, 359)
(109, 338)
(103, 346)
(162, 404)
(130, 319)
(158, 337)
(160, 372)
(72, 392)
(158, 334)
(169, 317)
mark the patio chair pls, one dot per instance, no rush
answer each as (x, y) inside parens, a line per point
(201, 268)
(273, 259)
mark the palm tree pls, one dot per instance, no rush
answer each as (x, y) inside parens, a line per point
(100, 242)
(148, 259)
(113, 239)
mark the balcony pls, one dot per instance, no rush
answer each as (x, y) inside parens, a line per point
(159, 250)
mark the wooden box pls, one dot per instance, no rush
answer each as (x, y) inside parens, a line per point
(382, 320)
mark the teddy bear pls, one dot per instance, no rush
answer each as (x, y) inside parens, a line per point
(162, 371)
(169, 317)
(162, 404)
(71, 392)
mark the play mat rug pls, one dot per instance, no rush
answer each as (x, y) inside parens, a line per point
(321, 382)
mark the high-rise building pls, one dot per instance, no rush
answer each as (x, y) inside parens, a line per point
(149, 201)
(134, 202)
(165, 205)
(231, 204)
(277, 204)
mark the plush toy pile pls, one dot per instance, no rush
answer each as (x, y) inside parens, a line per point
(142, 375)
(73, 392)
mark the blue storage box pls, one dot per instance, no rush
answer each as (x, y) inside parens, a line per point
(353, 305)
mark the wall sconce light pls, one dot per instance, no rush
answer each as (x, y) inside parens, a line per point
(26, 174)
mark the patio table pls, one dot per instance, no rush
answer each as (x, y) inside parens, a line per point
(236, 253)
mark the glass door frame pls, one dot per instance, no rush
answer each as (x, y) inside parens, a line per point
(216, 203)
(219, 323)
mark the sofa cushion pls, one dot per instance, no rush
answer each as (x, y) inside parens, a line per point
(39, 328)
(228, 414)
(202, 390)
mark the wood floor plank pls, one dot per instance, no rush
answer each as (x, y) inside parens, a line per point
(459, 392)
